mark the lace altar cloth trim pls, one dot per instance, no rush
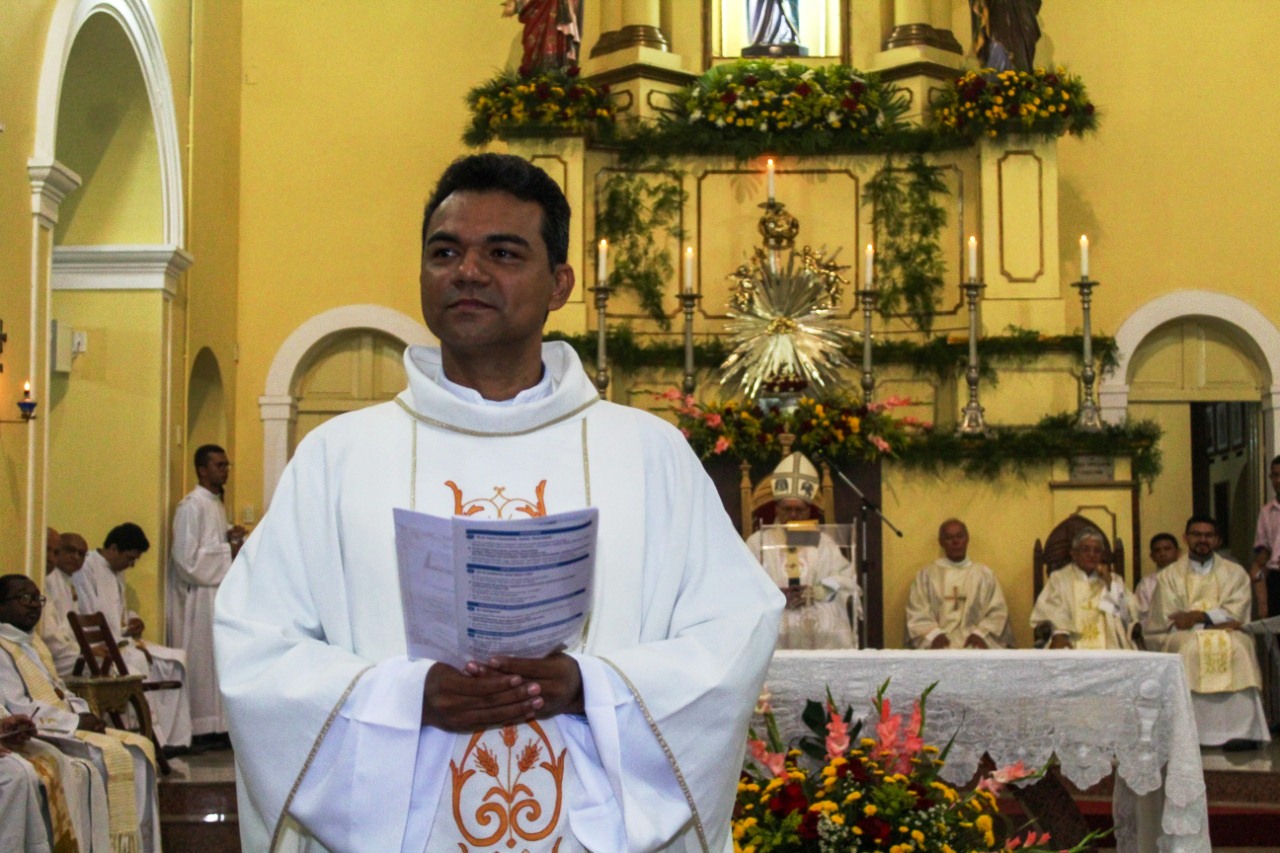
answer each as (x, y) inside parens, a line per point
(1095, 711)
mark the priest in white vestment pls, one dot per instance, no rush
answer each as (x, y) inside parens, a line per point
(1085, 605)
(1164, 551)
(955, 603)
(630, 741)
(200, 556)
(817, 579)
(30, 686)
(65, 587)
(22, 826)
(1199, 605)
(104, 570)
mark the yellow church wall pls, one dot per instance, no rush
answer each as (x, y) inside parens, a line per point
(106, 463)
(1174, 190)
(348, 115)
(22, 30)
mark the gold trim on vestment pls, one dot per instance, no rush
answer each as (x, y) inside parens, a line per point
(315, 747)
(666, 750)
(481, 433)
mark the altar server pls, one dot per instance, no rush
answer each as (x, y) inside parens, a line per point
(1085, 604)
(631, 740)
(956, 603)
(817, 579)
(1200, 602)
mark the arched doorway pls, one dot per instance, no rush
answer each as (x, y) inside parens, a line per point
(206, 403)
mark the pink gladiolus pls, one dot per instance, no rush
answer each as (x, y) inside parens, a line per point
(999, 778)
(837, 737)
(685, 432)
(714, 420)
(774, 762)
(670, 394)
(880, 443)
(722, 444)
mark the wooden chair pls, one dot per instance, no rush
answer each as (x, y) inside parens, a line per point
(109, 687)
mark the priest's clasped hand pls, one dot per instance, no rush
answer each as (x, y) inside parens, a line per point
(502, 692)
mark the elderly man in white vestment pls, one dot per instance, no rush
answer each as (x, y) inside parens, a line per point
(631, 740)
(204, 545)
(29, 686)
(65, 587)
(1084, 603)
(104, 569)
(1199, 605)
(956, 603)
(817, 579)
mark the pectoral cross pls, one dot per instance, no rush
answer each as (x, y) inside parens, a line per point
(956, 599)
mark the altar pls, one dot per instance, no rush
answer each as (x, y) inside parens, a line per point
(1097, 712)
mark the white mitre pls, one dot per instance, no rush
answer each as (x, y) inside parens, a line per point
(795, 477)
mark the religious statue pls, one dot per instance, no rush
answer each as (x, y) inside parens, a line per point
(552, 31)
(775, 28)
(1005, 33)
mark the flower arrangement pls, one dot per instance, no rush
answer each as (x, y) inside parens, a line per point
(752, 106)
(879, 793)
(990, 103)
(838, 428)
(540, 102)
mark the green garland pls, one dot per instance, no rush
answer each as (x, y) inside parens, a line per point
(631, 214)
(543, 103)
(906, 219)
(940, 358)
(1018, 449)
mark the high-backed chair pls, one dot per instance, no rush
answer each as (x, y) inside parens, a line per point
(109, 687)
(1056, 550)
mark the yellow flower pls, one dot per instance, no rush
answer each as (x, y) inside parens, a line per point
(837, 819)
(869, 809)
(853, 797)
(983, 823)
(918, 836)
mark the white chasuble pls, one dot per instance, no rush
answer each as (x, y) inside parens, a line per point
(958, 600)
(1091, 615)
(326, 709)
(823, 623)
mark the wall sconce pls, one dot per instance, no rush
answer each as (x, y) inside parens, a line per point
(26, 405)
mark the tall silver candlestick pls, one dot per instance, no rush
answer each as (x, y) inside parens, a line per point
(1089, 419)
(602, 291)
(868, 298)
(688, 301)
(971, 420)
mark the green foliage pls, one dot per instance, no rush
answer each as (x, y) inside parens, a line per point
(907, 219)
(546, 102)
(632, 214)
(993, 104)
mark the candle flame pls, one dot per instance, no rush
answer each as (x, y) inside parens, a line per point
(26, 390)
(1084, 241)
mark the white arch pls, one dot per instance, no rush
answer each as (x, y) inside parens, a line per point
(1113, 392)
(278, 407)
(135, 18)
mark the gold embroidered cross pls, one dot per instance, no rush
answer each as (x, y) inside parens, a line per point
(956, 598)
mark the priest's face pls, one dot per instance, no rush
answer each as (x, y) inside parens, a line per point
(21, 605)
(1164, 552)
(954, 539)
(787, 510)
(72, 553)
(1088, 554)
(1202, 538)
(487, 281)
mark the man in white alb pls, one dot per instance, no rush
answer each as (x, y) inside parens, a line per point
(1164, 551)
(65, 587)
(956, 603)
(1084, 603)
(1200, 603)
(201, 553)
(104, 569)
(817, 579)
(631, 740)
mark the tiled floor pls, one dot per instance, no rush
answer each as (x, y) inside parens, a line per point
(1265, 760)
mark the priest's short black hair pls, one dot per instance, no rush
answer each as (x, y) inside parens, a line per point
(509, 174)
(127, 537)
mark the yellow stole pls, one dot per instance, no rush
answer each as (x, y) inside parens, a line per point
(120, 797)
(1214, 645)
(64, 833)
(1090, 621)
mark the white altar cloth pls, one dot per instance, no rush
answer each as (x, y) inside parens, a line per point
(1095, 710)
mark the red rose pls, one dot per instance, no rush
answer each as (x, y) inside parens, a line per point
(808, 828)
(524, 71)
(803, 89)
(543, 91)
(874, 828)
(573, 71)
(789, 799)
(574, 93)
(751, 80)
(604, 88)
(729, 98)
(849, 104)
(857, 87)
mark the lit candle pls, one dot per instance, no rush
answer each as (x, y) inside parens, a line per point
(1084, 256)
(26, 390)
(769, 169)
(868, 275)
(602, 262)
(973, 258)
(688, 269)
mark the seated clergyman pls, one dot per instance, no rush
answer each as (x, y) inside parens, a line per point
(29, 685)
(817, 579)
(1164, 551)
(1200, 602)
(957, 603)
(1085, 605)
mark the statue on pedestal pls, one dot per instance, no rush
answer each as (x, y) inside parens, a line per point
(552, 32)
(775, 28)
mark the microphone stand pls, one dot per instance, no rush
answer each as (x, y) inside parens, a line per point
(866, 508)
